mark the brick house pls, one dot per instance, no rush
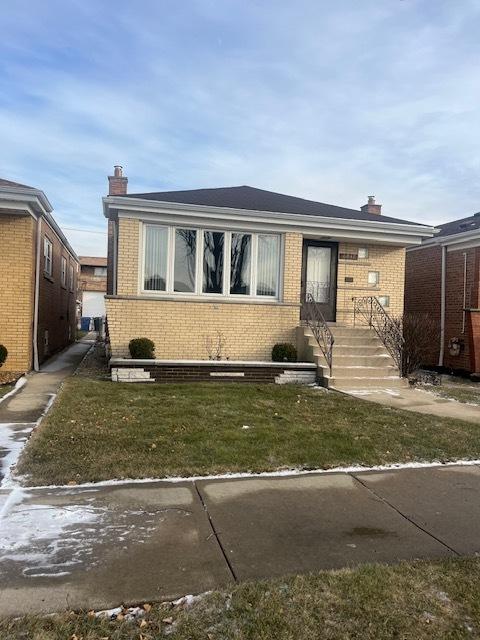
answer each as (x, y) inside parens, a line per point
(239, 262)
(92, 285)
(39, 279)
(442, 280)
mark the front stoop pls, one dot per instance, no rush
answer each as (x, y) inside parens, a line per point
(360, 360)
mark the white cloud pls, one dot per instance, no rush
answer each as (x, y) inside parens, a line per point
(321, 100)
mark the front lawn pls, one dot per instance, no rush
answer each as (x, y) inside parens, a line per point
(5, 388)
(99, 430)
(410, 601)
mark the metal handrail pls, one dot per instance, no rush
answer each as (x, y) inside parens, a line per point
(389, 332)
(320, 329)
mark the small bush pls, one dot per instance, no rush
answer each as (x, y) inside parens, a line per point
(3, 354)
(284, 352)
(142, 348)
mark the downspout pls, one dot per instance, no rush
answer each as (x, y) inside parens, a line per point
(442, 306)
(36, 366)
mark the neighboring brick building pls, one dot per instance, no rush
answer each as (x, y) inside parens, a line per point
(38, 269)
(186, 266)
(442, 280)
(92, 285)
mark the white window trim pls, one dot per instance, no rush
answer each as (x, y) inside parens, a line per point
(71, 277)
(47, 256)
(63, 272)
(198, 293)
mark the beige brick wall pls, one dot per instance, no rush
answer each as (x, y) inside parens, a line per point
(181, 329)
(388, 261)
(128, 254)
(16, 292)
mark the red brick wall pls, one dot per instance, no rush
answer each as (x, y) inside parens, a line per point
(454, 304)
(423, 295)
(57, 304)
(423, 271)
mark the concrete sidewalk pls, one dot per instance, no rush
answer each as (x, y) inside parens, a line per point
(420, 401)
(111, 543)
(20, 412)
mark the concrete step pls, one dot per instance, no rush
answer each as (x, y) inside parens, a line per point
(348, 384)
(357, 341)
(357, 360)
(352, 331)
(376, 349)
(363, 372)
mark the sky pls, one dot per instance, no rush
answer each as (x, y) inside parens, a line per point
(331, 100)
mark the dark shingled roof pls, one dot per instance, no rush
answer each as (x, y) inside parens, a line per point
(460, 226)
(253, 199)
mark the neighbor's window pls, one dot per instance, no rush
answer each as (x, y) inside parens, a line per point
(267, 265)
(64, 272)
(213, 243)
(185, 260)
(99, 271)
(373, 277)
(47, 257)
(240, 261)
(71, 277)
(362, 253)
(155, 271)
(384, 301)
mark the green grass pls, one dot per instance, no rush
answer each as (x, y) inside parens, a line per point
(459, 392)
(5, 388)
(81, 333)
(410, 601)
(99, 430)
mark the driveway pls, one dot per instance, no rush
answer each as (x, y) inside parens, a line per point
(101, 545)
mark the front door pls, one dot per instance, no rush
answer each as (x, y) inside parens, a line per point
(319, 277)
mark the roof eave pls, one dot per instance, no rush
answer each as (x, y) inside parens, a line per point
(138, 205)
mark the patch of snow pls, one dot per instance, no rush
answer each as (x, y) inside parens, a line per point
(18, 385)
(246, 426)
(294, 471)
(13, 436)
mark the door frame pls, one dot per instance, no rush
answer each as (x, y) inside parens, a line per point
(333, 275)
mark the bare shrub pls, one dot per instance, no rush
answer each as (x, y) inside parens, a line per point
(421, 333)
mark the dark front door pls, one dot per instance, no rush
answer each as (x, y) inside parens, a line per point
(319, 277)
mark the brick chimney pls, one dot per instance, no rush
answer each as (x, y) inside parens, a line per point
(371, 207)
(117, 184)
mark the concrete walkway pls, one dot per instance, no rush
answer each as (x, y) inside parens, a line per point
(420, 401)
(20, 412)
(111, 543)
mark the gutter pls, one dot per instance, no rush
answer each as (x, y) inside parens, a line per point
(36, 366)
(138, 206)
(442, 306)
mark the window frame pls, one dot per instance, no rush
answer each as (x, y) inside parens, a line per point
(47, 243)
(377, 278)
(387, 298)
(63, 272)
(71, 277)
(226, 280)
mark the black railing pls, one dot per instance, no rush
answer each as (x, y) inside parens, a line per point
(320, 329)
(370, 309)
